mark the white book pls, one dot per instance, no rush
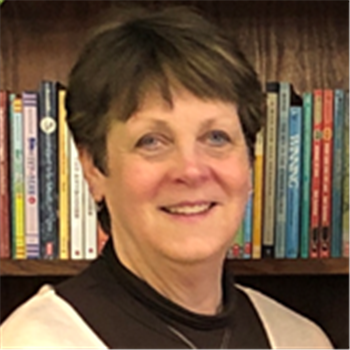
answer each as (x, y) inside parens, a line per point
(76, 203)
(90, 225)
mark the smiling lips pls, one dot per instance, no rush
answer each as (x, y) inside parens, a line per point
(189, 208)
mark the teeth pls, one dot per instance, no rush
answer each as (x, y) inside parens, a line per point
(195, 209)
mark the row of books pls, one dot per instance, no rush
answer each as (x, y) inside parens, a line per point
(46, 209)
(299, 206)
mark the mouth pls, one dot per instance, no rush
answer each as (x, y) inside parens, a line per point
(189, 209)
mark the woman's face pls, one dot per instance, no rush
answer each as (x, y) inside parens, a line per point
(178, 179)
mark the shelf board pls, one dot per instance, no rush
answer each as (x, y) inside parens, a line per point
(267, 267)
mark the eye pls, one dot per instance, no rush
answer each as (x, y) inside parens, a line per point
(150, 142)
(218, 138)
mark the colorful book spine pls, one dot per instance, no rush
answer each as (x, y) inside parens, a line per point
(238, 242)
(336, 220)
(258, 194)
(326, 173)
(5, 232)
(294, 177)
(282, 157)
(48, 166)
(102, 238)
(63, 177)
(345, 236)
(17, 176)
(90, 224)
(316, 174)
(247, 229)
(76, 203)
(31, 176)
(272, 89)
(306, 174)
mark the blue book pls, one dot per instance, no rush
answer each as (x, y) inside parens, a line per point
(247, 229)
(48, 169)
(306, 155)
(294, 177)
(338, 127)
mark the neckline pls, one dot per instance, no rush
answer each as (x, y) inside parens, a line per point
(163, 307)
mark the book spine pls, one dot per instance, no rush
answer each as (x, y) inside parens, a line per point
(306, 174)
(76, 204)
(294, 175)
(48, 174)
(272, 89)
(238, 242)
(258, 194)
(18, 234)
(336, 219)
(31, 177)
(5, 251)
(63, 154)
(90, 229)
(316, 174)
(345, 229)
(282, 156)
(247, 227)
(102, 238)
(326, 173)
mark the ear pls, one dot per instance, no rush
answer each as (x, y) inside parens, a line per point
(94, 177)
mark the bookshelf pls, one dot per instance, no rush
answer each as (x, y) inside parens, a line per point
(303, 42)
(258, 267)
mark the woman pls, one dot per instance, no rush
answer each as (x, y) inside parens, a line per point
(164, 111)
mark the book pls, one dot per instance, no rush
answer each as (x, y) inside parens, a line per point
(48, 169)
(269, 188)
(5, 232)
(315, 219)
(89, 224)
(247, 229)
(293, 182)
(336, 195)
(287, 96)
(326, 173)
(76, 203)
(17, 178)
(306, 174)
(31, 176)
(102, 238)
(345, 206)
(258, 194)
(63, 178)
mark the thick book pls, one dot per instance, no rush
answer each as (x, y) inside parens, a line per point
(17, 178)
(306, 174)
(48, 169)
(287, 97)
(316, 174)
(31, 173)
(345, 236)
(293, 182)
(326, 173)
(5, 249)
(270, 152)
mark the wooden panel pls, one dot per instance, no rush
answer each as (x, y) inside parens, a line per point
(304, 42)
(240, 267)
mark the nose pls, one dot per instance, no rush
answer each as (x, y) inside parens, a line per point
(190, 167)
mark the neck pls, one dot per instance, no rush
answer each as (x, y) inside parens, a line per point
(196, 287)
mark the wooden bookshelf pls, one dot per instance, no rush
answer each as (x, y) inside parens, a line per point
(263, 267)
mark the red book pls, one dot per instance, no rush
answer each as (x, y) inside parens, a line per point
(102, 238)
(5, 250)
(326, 173)
(316, 174)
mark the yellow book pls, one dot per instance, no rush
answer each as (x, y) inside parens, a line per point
(258, 195)
(18, 231)
(63, 178)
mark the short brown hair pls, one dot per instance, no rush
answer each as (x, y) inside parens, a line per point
(148, 51)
